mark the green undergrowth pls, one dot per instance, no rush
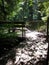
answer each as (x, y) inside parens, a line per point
(39, 26)
(42, 28)
(8, 35)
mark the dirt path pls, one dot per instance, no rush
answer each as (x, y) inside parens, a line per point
(28, 52)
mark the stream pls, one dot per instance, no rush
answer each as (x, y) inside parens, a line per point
(29, 52)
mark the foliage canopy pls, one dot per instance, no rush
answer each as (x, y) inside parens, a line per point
(23, 10)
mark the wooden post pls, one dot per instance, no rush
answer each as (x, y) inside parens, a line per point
(22, 31)
(48, 43)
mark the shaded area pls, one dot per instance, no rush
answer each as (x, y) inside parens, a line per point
(7, 44)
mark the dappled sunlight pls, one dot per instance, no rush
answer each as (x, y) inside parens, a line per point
(34, 50)
(33, 34)
(30, 51)
(24, 32)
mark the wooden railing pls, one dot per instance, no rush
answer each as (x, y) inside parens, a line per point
(13, 26)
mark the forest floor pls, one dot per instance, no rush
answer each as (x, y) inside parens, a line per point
(32, 51)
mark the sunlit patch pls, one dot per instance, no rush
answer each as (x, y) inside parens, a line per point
(33, 34)
(10, 62)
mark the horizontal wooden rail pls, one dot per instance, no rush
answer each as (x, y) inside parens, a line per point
(4, 22)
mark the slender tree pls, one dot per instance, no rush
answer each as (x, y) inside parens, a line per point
(3, 10)
(30, 7)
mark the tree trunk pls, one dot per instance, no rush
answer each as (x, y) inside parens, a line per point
(3, 9)
(47, 40)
